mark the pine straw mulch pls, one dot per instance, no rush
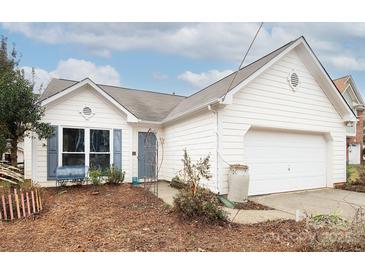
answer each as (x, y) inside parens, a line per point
(119, 219)
(251, 205)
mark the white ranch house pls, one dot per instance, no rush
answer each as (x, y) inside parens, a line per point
(283, 117)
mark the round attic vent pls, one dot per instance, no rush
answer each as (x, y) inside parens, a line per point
(293, 80)
(86, 111)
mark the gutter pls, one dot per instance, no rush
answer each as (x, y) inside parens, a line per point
(217, 144)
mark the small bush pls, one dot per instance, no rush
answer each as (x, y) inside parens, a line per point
(357, 183)
(95, 176)
(336, 234)
(176, 182)
(115, 175)
(349, 172)
(361, 177)
(332, 219)
(204, 205)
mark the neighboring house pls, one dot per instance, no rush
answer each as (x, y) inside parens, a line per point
(283, 117)
(354, 140)
(20, 154)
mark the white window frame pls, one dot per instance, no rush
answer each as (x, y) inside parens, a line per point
(111, 145)
(86, 144)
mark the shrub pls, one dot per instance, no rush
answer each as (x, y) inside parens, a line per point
(194, 201)
(115, 175)
(176, 182)
(95, 176)
(193, 173)
(349, 172)
(203, 205)
(361, 177)
(333, 219)
(348, 236)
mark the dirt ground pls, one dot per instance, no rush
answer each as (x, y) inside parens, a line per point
(119, 219)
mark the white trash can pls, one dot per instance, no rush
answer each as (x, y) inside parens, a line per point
(238, 181)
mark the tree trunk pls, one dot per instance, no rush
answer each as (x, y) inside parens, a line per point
(14, 152)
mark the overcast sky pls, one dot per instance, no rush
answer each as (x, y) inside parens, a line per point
(174, 57)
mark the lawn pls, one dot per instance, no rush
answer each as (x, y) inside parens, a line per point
(119, 219)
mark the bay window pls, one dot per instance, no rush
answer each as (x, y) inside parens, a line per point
(89, 147)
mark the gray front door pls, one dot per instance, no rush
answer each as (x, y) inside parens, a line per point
(147, 147)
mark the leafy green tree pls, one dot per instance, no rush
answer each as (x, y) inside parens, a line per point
(20, 109)
(2, 145)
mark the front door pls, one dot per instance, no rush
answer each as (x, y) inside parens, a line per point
(147, 152)
(354, 154)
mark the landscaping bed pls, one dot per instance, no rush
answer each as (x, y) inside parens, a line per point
(119, 219)
(355, 179)
(353, 187)
(251, 205)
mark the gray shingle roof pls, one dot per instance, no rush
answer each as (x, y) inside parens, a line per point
(154, 106)
(145, 105)
(219, 89)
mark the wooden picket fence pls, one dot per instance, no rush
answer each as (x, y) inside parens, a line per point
(16, 205)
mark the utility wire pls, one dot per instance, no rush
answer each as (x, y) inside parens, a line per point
(243, 60)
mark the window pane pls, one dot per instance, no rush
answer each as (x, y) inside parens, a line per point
(100, 161)
(73, 159)
(73, 140)
(99, 140)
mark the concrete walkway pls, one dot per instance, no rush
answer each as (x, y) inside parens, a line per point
(319, 201)
(167, 193)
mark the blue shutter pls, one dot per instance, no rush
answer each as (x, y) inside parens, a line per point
(117, 148)
(52, 154)
(141, 169)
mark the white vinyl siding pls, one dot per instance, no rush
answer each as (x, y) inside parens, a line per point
(66, 112)
(269, 102)
(197, 134)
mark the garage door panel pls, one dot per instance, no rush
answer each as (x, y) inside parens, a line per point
(283, 161)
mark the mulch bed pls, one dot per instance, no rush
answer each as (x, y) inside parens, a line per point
(251, 205)
(119, 219)
(352, 187)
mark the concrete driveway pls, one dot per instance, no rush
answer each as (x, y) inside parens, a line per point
(321, 201)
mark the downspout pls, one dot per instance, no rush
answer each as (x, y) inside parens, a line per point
(217, 145)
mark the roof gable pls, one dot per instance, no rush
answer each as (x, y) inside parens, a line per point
(144, 105)
(347, 84)
(341, 83)
(130, 117)
(311, 61)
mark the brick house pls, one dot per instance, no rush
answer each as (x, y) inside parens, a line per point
(354, 140)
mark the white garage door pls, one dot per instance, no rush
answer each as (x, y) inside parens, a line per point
(282, 161)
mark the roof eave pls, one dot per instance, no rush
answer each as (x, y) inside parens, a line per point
(191, 111)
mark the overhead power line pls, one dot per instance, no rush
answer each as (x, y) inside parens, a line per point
(243, 60)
